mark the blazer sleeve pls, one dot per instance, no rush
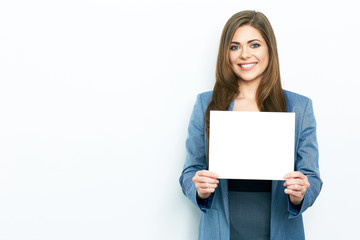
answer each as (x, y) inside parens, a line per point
(307, 160)
(195, 155)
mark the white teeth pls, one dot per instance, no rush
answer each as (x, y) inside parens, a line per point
(247, 65)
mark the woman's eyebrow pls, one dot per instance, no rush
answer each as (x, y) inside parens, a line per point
(250, 41)
(253, 40)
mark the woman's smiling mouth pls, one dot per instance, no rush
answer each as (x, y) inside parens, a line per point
(247, 66)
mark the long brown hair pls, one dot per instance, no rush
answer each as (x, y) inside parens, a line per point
(269, 96)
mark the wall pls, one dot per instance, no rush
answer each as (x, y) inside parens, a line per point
(95, 98)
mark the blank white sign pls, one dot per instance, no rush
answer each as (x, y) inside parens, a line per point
(251, 145)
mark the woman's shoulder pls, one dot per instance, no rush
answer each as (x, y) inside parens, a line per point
(204, 98)
(205, 95)
(295, 100)
(295, 96)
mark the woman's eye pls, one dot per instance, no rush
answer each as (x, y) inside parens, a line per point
(255, 45)
(234, 47)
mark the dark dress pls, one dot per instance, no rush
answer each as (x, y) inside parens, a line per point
(249, 203)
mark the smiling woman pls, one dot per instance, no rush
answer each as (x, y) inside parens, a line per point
(248, 79)
(249, 55)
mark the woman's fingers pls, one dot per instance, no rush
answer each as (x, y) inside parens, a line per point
(293, 181)
(205, 190)
(205, 183)
(206, 173)
(295, 174)
(296, 184)
(298, 195)
(207, 180)
(205, 176)
(296, 187)
(296, 180)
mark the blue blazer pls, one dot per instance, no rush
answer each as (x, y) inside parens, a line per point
(286, 219)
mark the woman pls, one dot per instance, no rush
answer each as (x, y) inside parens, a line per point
(248, 79)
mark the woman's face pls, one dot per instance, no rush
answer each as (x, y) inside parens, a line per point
(249, 54)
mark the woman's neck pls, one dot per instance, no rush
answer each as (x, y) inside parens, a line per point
(248, 90)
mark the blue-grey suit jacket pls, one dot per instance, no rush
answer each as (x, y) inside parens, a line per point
(286, 219)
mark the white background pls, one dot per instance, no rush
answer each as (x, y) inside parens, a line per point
(95, 98)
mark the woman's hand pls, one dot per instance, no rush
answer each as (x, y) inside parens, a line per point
(296, 184)
(205, 183)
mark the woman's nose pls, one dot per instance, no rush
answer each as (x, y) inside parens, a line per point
(245, 53)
